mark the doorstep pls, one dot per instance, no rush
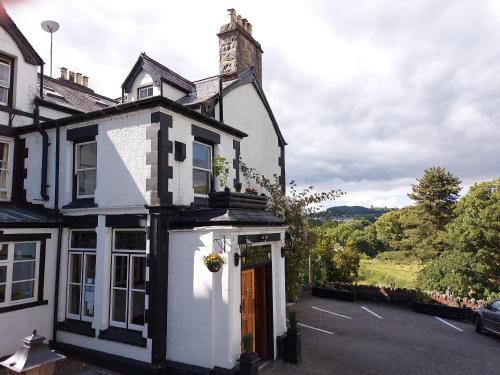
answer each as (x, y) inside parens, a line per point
(268, 366)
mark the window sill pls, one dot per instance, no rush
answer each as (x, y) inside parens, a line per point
(200, 201)
(21, 306)
(77, 326)
(124, 336)
(81, 203)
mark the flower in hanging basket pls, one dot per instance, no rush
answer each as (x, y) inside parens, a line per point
(251, 190)
(214, 261)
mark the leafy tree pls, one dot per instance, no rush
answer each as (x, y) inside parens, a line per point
(389, 230)
(295, 208)
(436, 194)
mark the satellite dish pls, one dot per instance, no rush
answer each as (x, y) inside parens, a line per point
(50, 26)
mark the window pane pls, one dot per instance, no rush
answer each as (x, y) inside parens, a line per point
(119, 305)
(4, 95)
(23, 271)
(75, 268)
(4, 250)
(3, 274)
(86, 182)
(88, 301)
(3, 179)
(120, 271)
(133, 240)
(90, 269)
(139, 273)
(83, 240)
(202, 155)
(24, 251)
(2, 293)
(74, 299)
(22, 290)
(4, 74)
(4, 155)
(3, 195)
(201, 182)
(137, 308)
(87, 155)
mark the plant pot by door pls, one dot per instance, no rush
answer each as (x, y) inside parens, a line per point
(214, 267)
(249, 364)
(293, 346)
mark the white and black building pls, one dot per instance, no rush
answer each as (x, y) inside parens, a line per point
(107, 208)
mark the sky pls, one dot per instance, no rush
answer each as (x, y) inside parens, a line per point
(367, 93)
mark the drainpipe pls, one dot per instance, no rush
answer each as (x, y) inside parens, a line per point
(56, 184)
(45, 151)
(41, 81)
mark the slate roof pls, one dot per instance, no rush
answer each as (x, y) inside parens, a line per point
(74, 96)
(205, 89)
(17, 216)
(158, 72)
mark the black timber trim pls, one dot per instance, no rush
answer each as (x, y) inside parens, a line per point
(41, 269)
(58, 107)
(165, 147)
(80, 203)
(18, 191)
(281, 163)
(77, 326)
(126, 221)
(157, 288)
(7, 131)
(236, 161)
(155, 101)
(124, 336)
(205, 135)
(30, 224)
(123, 365)
(82, 134)
(255, 238)
(29, 53)
(21, 237)
(23, 306)
(80, 222)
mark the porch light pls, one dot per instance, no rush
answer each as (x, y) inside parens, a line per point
(289, 240)
(33, 357)
(248, 244)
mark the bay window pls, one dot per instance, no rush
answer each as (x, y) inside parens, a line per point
(85, 169)
(18, 272)
(81, 275)
(202, 168)
(128, 279)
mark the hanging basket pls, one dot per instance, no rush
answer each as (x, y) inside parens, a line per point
(214, 267)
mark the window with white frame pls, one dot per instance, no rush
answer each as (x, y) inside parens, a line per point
(85, 169)
(145, 92)
(18, 272)
(128, 279)
(5, 73)
(202, 168)
(81, 275)
(4, 170)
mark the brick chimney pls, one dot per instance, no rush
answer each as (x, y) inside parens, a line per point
(64, 73)
(238, 50)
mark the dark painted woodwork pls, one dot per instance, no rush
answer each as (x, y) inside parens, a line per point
(205, 135)
(82, 134)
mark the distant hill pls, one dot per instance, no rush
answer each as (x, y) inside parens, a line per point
(343, 213)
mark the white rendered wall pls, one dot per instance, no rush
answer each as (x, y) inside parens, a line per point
(25, 81)
(15, 325)
(244, 110)
(143, 79)
(204, 320)
(171, 92)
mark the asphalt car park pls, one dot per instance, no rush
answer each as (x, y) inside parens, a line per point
(374, 338)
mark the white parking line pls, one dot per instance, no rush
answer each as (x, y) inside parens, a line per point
(491, 330)
(316, 329)
(333, 313)
(371, 312)
(449, 324)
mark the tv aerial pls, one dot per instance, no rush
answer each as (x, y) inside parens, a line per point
(50, 27)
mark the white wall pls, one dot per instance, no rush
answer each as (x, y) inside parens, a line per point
(204, 320)
(15, 325)
(244, 110)
(171, 92)
(142, 79)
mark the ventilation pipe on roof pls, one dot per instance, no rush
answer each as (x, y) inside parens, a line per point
(45, 151)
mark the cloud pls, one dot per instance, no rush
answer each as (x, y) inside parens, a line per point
(368, 93)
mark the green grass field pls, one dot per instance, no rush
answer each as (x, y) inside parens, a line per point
(375, 272)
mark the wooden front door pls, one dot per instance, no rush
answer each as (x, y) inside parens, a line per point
(248, 303)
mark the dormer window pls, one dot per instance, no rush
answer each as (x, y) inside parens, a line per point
(5, 81)
(145, 92)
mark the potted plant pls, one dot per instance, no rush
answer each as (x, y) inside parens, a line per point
(238, 187)
(249, 361)
(214, 261)
(293, 342)
(220, 170)
(251, 190)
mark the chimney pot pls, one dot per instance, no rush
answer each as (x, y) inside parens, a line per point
(232, 15)
(71, 76)
(64, 73)
(86, 81)
(238, 19)
(79, 78)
